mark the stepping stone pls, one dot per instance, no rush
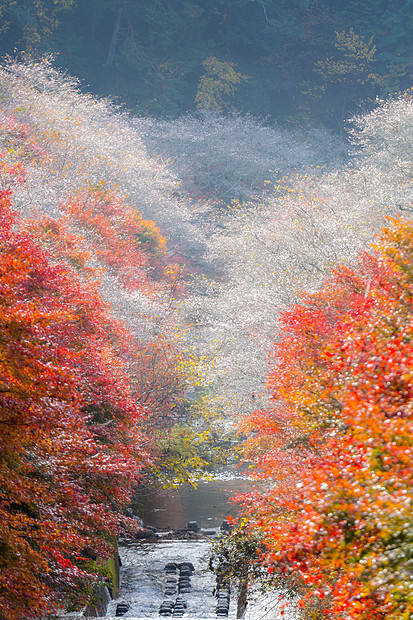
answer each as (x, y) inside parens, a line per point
(121, 609)
(170, 566)
(166, 605)
(187, 565)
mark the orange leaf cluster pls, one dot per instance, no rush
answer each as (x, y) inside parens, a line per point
(124, 242)
(85, 401)
(75, 391)
(71, 445)
(336, 448)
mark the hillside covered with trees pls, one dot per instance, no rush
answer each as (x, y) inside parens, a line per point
(94, 364)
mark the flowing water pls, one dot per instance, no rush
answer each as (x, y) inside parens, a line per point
(143, 582)
(143, 578)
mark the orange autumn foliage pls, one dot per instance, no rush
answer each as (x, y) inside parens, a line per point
(71, 444)
(80, 391)
(337, 445)
(128, 245)
(74, 409)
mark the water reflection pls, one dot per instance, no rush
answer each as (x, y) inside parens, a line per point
(209, 504)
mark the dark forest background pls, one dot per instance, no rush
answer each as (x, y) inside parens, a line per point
(297, 62)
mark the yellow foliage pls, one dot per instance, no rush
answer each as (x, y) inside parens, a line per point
(357, 58)
(219, 82)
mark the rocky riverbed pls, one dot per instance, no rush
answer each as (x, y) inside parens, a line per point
(147, 584)
(144, 578)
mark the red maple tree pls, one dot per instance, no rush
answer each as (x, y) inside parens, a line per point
(71, 443)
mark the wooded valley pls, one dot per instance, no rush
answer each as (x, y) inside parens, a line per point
(216, 265)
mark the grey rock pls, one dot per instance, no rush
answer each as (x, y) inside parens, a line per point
(187, 565)
(121, 609)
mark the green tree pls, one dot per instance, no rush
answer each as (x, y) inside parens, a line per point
(391, 24)
(31, 23)
(239, 559)
(150, 53)
(147, 53)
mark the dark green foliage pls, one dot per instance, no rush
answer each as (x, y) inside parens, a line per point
(391, 25)
(28, 24)
(150, 53)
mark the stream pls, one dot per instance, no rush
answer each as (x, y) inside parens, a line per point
(144, 580)
(209, 504)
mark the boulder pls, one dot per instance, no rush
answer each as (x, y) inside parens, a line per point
(226, 527)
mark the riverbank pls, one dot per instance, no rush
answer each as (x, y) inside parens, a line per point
(144, 581)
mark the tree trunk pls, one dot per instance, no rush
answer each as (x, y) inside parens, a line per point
(115, 35)
(242, 600)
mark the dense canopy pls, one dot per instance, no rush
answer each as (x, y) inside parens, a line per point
(302, 60)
